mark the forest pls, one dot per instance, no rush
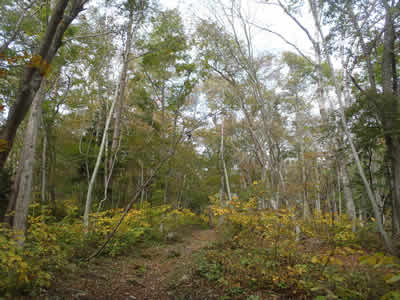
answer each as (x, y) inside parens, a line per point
(171, 150)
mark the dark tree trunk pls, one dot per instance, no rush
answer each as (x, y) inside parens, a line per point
(389, 113)
(36, 69)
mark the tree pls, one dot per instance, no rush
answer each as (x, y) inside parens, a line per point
(315, 11)
(232, 59)
(37, 68)
(136, 10)
(23, 190)
(170, 76)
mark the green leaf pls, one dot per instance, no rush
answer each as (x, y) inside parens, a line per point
(393, 279)
(393, 295)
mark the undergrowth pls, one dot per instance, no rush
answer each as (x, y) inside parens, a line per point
(275, 252)
(51, 245)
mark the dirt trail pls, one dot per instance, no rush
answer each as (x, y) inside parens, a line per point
(158, 273)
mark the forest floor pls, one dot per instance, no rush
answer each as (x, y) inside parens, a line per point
(163, 271)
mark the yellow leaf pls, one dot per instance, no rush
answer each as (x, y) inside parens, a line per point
(3, 145)
(369, 260)
(336, 261)
(324, 260)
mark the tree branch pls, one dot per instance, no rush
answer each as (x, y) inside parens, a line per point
(286, 41)
(356, 83)
(81, 37)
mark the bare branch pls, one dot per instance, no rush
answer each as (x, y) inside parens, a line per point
(81, 37)
(356, 83)
(305, 30)
(286, 41)
(17, 29)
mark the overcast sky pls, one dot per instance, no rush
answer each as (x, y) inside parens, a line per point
(262, 14)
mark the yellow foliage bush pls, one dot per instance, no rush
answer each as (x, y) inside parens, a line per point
(276, 250)
(51, 245)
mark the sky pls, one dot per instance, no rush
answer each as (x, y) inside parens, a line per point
(261, 14)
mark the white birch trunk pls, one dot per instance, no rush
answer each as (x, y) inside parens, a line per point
(318, 198)
(228, 189)
(27, 159)
(44, 174)
(121, 94)
(347, 192)
(339, 94)
(340, 193)
(89, 198)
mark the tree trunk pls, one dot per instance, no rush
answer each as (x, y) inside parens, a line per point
(141, 182)
(391, 110)
(35, 70)
(222, 191)
(120, 101)
(334, 201)
(228, 189)
(8, 216)
(318, 196)
(44, 165)
(300, 142)
(339, 94)
(181, 192)
(89, 198)
(306, 206)
(52, 169)
(348, 194)
(339, 192)
(394, 152)
(27, 160)
(225, 172)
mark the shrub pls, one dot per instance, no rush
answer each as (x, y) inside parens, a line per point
(50, 245)
(263, 250)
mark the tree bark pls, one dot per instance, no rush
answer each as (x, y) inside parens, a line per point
(120, 101)
(35, 70)
(318, 196)
(141, 182)
(394, 154)
(44, 166)
(27, 160)
(306, 206)
(225, 172)
(339, 192)
(89, 198)
(391, 110)
(347, 193)
(339, 95)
